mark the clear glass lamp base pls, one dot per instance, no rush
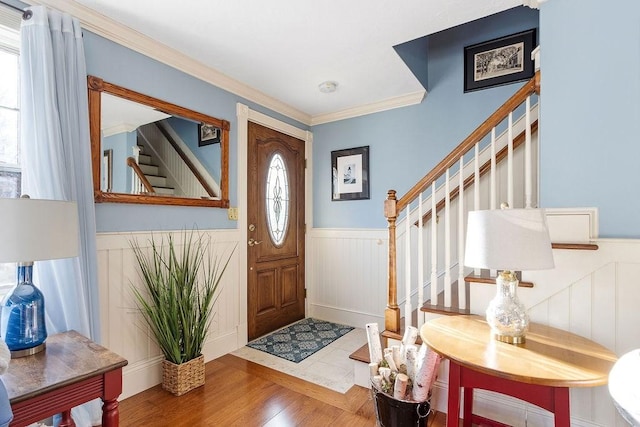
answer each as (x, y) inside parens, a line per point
(506, 315)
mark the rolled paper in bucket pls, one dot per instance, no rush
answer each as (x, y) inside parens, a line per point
(392, 412)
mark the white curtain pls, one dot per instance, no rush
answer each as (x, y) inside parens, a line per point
(56, 160)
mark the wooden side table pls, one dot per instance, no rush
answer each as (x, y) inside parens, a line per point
(539, 371)
(71, 371)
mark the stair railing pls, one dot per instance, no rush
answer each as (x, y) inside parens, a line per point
(140, 182)
(436, 186)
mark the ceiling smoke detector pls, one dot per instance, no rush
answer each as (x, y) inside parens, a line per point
(328, 87)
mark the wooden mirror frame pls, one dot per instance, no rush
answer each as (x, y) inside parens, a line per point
(96, 87)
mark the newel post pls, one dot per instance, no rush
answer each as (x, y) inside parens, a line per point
(392, 312)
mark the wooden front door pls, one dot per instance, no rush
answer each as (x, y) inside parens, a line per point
(275, 217)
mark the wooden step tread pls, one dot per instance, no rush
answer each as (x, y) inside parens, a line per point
(487, 278)
(361, 354)
(439, 306)
(399, 335)
(441, 309)
(576, 246)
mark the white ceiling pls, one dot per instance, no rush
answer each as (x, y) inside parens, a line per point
(121, 115)
(286, 48)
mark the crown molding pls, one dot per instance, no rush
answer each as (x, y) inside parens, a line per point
(533, 4)
(121, 128)
(132, 39)
(375, 107)
(125, 36)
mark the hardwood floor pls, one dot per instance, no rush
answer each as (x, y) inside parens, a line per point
(242, 393)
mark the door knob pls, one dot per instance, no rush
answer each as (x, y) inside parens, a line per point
(253, 242)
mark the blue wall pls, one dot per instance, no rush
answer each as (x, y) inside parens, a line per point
(590, 148)
(406, 143)
(208, 155)
(589, 123)
(122, 66)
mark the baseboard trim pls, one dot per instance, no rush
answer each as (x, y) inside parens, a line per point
(342, 316)
(139, 377)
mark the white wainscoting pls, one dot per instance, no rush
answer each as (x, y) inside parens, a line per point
(594, 294)
(347, 275)
(123, 330)
(591, 293)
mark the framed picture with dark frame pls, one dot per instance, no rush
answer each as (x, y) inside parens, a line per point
(499, 61)
(208, 134)
(350, 174)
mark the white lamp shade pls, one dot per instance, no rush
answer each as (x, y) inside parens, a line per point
(33, 230)
(508, 239)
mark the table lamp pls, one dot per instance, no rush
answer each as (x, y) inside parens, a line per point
(508, 240)
(32, 230)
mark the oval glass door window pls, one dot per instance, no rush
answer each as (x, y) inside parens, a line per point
(277, 199)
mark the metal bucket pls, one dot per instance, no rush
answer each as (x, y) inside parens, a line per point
(391, 412)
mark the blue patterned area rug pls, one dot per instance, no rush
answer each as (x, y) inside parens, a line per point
(300, 340)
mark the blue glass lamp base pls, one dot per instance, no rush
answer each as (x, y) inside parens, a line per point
(23, 326)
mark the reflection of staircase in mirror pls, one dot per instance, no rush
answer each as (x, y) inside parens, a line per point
(151, 172)
(182, 173)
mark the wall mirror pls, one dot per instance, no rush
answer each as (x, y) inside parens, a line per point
(148, 151)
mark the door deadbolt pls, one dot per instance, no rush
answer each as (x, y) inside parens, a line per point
(252, 227)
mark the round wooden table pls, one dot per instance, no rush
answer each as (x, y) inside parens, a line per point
(539, 371)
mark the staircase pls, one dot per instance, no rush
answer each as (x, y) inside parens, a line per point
(162, 166)
(496, 163)
(146, 175)
(151, 172)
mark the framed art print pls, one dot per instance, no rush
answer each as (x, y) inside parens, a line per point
(499, 61)
(350, 174)
(208, 134)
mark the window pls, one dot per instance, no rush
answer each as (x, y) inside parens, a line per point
(10, 175)
(277, 199)
(9, 125)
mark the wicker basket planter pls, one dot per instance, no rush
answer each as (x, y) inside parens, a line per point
(182, 378)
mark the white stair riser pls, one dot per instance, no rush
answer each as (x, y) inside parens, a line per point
(157, 181)
(144, 159)
(149, 169)
(164, 190)
(361, 374)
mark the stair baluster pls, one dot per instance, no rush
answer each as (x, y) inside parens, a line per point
(434, 244)
(420, 261)
(447, 241)
(407, 266)
(462, 300)
(528, 178)
(510, 162)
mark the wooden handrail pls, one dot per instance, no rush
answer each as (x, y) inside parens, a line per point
(187, 161)
(486, 167)
(576, 246)
(532, 86)
(131, 162)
